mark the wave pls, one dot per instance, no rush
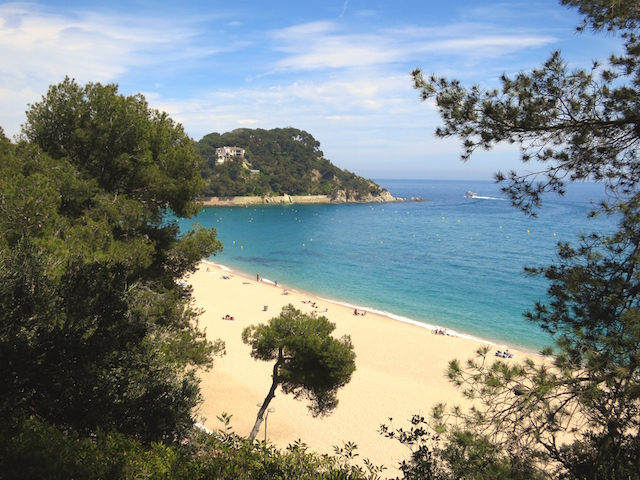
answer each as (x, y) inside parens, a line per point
(236, 272)
(416, 323)
(219, 265)
(383, 313)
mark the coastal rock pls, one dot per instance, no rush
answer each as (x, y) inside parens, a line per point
(385, 197)
(340, 197)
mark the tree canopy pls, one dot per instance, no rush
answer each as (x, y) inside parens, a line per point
(309, 362)
(118, 142)
(96, 331)
(576, 416)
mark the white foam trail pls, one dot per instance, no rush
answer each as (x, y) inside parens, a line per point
(494, 198)
(489, 198)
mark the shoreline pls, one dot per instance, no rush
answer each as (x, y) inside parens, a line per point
(400, 369)
(245, 201)
(390, 315)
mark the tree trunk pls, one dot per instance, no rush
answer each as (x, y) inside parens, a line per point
(270, 396)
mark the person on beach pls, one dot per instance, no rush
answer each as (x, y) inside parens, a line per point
(258, 276)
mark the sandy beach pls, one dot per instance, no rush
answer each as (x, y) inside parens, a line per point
(399, 369)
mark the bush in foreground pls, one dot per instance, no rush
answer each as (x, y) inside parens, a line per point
(38, 450)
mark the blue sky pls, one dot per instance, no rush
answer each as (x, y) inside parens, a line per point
(339, 69)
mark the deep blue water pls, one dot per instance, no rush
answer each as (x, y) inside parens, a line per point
(452, 262)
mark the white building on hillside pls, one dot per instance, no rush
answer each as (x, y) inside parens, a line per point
(225, 153)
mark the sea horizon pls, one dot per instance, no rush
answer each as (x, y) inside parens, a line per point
(449, 262)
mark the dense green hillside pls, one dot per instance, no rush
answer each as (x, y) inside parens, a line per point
(279, 161)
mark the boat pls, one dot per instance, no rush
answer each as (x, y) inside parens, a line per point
(471, 194)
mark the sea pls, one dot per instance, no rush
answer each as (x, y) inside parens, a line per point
(449, 261)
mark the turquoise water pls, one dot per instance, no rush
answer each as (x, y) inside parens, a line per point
(452, 262)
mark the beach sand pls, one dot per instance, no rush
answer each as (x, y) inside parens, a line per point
(400, 370)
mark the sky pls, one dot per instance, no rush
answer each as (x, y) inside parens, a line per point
(338, 69)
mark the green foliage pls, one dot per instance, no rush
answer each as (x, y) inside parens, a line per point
(580, 123)
(96, 333)
(228, 456)
(423, 462)
(595, 317)
(577, 414)
(465, 454)
(310, 363)
(120, 142)
(607, 14)
(35, 450)
(76, 350)
(289, 161)
(98, 336)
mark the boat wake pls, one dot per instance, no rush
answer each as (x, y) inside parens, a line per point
(474, 195)
(480, 197)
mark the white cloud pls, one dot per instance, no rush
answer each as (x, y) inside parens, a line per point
(47, 45)
(322, 45)
(40, 48)
(347, 82)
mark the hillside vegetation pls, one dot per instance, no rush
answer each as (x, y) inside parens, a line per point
(277, 162)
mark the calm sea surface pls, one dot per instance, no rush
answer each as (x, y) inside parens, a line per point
(452, 261)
